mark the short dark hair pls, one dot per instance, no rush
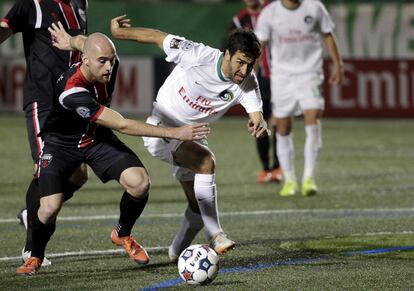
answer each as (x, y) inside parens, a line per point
(245, 41)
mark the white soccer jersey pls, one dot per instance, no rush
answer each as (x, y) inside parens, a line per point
(295, 36)
(196, 90)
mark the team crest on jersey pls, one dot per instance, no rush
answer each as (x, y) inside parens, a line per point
(226, 95)
(308, 19)
(186, 45)
(83, 112)
(46, 160)
(175, 43)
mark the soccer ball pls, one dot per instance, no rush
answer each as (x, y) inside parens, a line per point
(198, 265)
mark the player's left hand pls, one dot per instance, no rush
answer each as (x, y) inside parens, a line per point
(258, 128)
(60, 38)
(192, 131)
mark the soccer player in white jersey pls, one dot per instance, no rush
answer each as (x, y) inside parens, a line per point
(295, 30)
(204, 84)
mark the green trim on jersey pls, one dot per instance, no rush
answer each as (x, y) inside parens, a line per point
(220, 75)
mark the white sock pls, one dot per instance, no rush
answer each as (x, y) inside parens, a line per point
(190, 226)
(313, 145)
(286, 153)
(205, 193)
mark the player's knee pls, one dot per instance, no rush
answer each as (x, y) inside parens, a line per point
(139, 185)
(208, 164)
(48, 211)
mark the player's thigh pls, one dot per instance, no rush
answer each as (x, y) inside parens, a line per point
(35, 114)
(284, 102)
(310, 94)
(56, 165)
(108, 159)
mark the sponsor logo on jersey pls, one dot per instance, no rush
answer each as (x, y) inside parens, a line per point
(226, 95)
(83, 112)
(46, 160)
(175, 43)
(186, 45)
(308, 19)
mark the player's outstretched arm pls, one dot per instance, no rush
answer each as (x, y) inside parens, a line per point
(5, 31)
(257, 126)
(112, 119)
(63, 40)
(121, 29)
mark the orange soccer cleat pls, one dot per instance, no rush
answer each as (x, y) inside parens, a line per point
(277, 175)
(30, 267)
(264, 177)
(134, 250)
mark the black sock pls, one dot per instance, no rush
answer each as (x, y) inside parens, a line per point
(41, 236)
(262, 145)
(32, 205)
(275, 158)
(68, 190)
(131, 208)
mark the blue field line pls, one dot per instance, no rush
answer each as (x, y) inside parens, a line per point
(174, 282)
(177, 281)
(379, 251)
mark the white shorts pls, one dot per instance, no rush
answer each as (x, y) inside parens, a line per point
(291, 94)
(163, 149)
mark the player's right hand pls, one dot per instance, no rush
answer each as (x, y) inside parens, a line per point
(192, 131)
(118, 23)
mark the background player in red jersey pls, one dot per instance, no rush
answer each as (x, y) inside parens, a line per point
(78, 130)
(44, 65)
(247, 18)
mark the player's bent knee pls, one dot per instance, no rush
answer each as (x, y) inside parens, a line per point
(208, 164)
(48, 211)
(135, 181)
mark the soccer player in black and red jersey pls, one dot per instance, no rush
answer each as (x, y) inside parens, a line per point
(44, 64)
(79, 130)
(247, 18)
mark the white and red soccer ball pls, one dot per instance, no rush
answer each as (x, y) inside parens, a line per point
(198, 265)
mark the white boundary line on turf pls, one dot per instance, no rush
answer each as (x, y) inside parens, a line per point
(116, 251)
(83, 253)
(236, 213)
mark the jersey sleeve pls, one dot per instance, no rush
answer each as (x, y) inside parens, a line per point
(18, 17)
(186, 53)
(263, 26)
(325, 20)
(251, 98)
(79, 99)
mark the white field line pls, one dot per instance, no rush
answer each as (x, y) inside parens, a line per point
(83, 253)
(116, 251)
(236, 213)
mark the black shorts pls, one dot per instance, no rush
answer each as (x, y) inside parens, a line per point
(108, 159)
(264, 84)
(36, 114)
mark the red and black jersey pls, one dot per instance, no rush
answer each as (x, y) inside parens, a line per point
(77, 104)
(245, 19)
(44, 62)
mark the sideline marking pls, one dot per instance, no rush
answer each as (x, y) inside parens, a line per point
(178, 281)
(239, 213)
